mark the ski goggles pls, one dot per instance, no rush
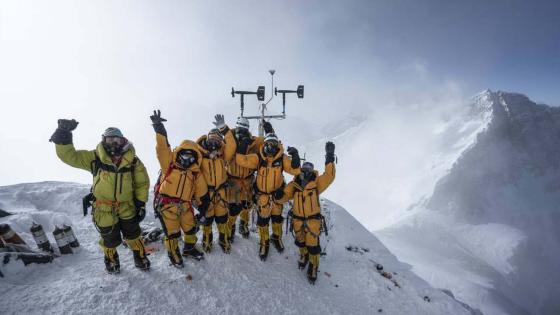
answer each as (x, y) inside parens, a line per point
(186, 158)
(270, 147)
(117, 140)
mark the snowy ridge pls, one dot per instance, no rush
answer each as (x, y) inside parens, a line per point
(490, 230)
(238, 283)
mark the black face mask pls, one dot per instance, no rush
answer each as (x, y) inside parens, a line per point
(241, 133)
(212, 146)
(270, 148)
(186, 158)
(115, 148)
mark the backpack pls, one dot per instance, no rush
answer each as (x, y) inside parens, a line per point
(96, 166)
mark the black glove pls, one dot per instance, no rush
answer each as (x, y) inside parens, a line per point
(267, 127)
(329, 149)
(63, 134)
(67, 124)
(278, 194)
(219, 121)
(157, 123)
(294, 154)
(204, 204)
(243, 144)
(140, 210)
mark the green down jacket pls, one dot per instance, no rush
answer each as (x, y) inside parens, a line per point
(114, 188)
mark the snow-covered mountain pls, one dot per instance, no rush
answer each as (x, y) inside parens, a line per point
(238, 283)
(490, 228)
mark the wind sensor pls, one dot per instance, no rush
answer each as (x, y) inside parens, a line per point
(263, 106)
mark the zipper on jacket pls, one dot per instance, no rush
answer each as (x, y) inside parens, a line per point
(115, 190)
(179, 184)
(120, 189)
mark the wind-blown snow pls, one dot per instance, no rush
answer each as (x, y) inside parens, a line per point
(238, 283)
(490, 229)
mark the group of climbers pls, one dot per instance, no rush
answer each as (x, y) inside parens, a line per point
(223, 175)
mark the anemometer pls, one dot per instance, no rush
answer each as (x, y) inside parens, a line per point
(260, 93)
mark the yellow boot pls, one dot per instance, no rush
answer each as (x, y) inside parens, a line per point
(140, 260)
(244, 223)
(231, 228)
(313, 268)
(189, 249)
(172, 246)
(207, 238)
(277, 237)
(264, 243)
(112, 264)
(303, 257)
(223, 237)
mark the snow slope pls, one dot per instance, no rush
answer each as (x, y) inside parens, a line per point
(394, 157)
(490, 229)
(238, 283)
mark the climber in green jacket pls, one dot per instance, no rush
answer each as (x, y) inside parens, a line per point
(120, 190)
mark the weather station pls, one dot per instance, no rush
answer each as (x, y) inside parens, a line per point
(263, 107)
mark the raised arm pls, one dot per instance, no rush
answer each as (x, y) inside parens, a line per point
(62, 138)
(326, 179)
(163, 150)
(292, 165)
(230, 145)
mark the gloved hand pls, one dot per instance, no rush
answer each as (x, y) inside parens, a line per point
(156, 117)
(140, 210)
(243, 144)
(278, 193)
(157, 123)
(267, 127)
(219, 121)
(329, 150)
(294, 154)
(63, 134)
(67, 124)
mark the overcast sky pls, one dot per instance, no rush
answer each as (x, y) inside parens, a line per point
(109, 63)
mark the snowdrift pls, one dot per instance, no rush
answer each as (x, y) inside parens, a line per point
(238, 283)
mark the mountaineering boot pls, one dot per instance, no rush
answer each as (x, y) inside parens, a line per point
(223, 238)
(313, 268)
(112, 264)
(224, 243)
(172, 246)
(207, 238)
(277, 237)
(243, 229)
(244, 223)
(140, 260)
(303, 257)
(190, 250)
(264, 243)
(263, 250)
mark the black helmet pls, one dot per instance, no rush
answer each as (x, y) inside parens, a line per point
(114, 142)
(186, 158)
